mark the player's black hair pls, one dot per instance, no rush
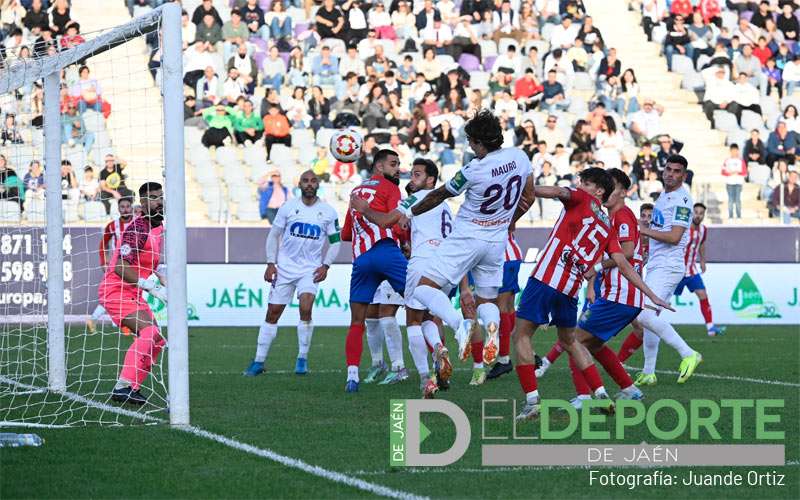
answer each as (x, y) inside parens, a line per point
(701, 205)
(485, 129)
(620, 177)
(129, 199)
(645, 206)
(382, 155)
(148, 187)
(679, 160)
(598, 177)
(431, 170)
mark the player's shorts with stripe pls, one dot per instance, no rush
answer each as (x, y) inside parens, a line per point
(284, 288)
(385, 295)
(605, 318)
(597, 283)
(542, 304)
(510, 277)
(458, 254)
(694, 282)
(384, 261)
(122, 300)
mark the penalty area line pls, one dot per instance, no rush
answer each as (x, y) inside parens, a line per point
(293, 463)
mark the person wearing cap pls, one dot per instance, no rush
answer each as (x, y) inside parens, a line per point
(645, 124)
(719, 94)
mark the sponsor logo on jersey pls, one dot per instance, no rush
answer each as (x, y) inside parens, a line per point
(408, 202)
(305, 230)
(657, 219)
(504, 169)
(458, 181)
(624, 231)
(682, 214)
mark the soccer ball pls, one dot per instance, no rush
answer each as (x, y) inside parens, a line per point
(346, 145)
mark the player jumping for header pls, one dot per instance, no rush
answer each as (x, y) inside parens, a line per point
(134, 261)
(295, 263)
(493, 184)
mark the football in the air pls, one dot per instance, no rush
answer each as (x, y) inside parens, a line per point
(346, 145)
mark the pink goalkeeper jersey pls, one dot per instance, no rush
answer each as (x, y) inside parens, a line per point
(697, 236)
(140, 247)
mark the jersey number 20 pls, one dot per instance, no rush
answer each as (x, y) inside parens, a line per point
(494, 192)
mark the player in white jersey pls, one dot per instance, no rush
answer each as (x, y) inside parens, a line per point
(295, 263)
(493, 183)
(668, 235)
(427, 233)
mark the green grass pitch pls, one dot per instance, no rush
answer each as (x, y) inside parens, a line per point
(312, 419)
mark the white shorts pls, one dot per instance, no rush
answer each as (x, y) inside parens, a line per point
(385, 295)
(458, 255)
(663, 281)
(284, 288)
(414, 272)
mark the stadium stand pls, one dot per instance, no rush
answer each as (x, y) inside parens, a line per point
(575, 82)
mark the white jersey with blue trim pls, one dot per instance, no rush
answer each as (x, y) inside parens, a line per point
(493, 186)
(670, 209)
(304, 230)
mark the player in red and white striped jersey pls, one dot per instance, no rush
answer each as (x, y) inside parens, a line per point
(576, 245)
(695, 259)
(376, 254)
(112, 234)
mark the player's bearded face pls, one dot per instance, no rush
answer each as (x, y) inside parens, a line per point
(391, 170)
(125, 211)
(309, 188)
(154, 207)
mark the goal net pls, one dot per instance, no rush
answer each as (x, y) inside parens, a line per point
(86, 122)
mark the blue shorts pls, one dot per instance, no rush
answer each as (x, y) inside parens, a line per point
(384, 261)
(510, 277)
(542, 304)
(597, 283)
(692, 283)
(604, 318)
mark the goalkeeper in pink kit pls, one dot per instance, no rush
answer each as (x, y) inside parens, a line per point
(127, 276)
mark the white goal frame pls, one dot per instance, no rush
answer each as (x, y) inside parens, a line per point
(168, 18)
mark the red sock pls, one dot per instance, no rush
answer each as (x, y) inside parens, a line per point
(592, 377)
(354, 344)
(705, 308)
(554, 353)
(527, 377)
(507, 321)
(581, 387)
(613, 367)
(477, 351)
(631, 344)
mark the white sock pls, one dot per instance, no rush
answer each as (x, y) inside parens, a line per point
(661, 327)
(650, 348)
(600, 391)
(266, 334)
(305, 329)
(98, 313)
(123, 383)
(709, 326)
(352, 373)
(431, 332)
(477, 365)
(394, 341)
(503, 360)
(439, 305)
(532, 397)
(375, 340)
(489, 313)
(419, 351)
(583, 396)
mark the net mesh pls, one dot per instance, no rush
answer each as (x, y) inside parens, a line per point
(111, 116)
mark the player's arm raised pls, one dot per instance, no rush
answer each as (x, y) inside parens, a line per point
(627, 270)
(671, 237)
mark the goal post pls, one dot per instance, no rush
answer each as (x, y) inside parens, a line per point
(52, 372)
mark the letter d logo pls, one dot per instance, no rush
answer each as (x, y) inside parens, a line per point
(414, 432)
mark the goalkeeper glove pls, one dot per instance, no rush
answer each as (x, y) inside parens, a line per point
(154, 288)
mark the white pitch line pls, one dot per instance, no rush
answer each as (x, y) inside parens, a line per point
(294, 463)
(726, 377)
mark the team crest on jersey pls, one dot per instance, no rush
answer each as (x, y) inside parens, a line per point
(124, 250)
(624, 231)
